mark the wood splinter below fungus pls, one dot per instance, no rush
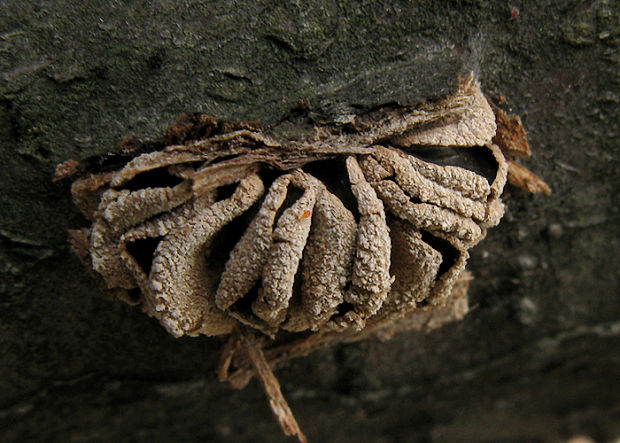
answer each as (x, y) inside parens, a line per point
(270, 383)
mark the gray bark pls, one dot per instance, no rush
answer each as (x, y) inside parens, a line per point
(537, 358)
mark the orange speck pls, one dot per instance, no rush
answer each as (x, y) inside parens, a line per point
(306, 214)
(514, 13)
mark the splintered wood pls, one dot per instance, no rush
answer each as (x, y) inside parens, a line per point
(270, 383)
(512, 140)
(289, 244)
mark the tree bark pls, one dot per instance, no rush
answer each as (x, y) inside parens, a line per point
(537, 357)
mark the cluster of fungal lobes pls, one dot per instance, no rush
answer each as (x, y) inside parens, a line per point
(351, 226)
(345, 229)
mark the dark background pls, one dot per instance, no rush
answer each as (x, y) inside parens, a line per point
(537, 358)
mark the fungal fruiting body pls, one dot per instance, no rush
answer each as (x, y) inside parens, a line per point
(351, 231)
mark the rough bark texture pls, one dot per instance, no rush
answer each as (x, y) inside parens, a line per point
(537, 358)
